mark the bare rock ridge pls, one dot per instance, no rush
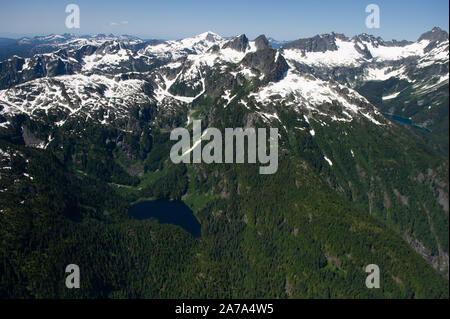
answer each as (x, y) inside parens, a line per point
(239, 43)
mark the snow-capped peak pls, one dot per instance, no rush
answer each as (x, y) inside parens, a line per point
(209, 36)
(176, 49)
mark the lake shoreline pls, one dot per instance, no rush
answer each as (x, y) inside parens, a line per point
(165, 211)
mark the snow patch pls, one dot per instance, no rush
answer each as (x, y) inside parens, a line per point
(391, 96)
(328, 160)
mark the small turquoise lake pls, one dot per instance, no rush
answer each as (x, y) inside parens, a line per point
(406, 121)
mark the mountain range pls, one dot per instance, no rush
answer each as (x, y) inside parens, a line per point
(363, 173)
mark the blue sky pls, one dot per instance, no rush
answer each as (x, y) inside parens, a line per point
(280, 19)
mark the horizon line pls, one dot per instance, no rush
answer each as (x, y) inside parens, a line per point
(19, 36)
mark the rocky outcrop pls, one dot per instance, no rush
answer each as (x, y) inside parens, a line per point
(30, 139)
(269, 62)
(440, 263)
(319, 43)
(239, 43)
(435, 36)
(262, 43)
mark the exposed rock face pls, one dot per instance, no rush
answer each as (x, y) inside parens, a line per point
(440, 262)
(436, 34)
(84, 51)
(262, 43)
(395, 43)
(29, 138)
(377, 41)
(319, 43)
(210, 37)
(364, 37)
(403, 198)
(214, 49)
(364, 51)
(239, 43)
(19, 70)
(269, 62)
(443, 199)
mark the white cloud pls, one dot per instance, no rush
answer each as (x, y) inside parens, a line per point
(114, 23)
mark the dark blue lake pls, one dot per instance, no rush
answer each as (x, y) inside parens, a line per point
(167, 212)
